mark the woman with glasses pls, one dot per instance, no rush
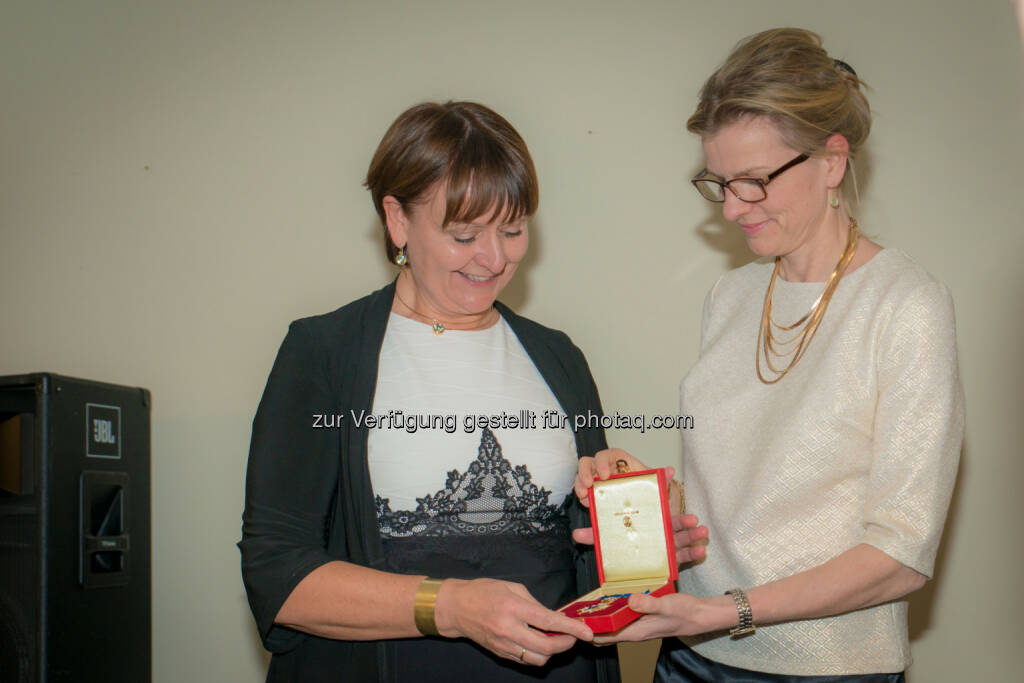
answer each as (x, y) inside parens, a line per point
(827, 404)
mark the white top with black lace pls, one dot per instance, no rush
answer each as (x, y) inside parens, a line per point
(462, 445)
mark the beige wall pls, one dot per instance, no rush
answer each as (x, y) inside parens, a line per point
(195, 168)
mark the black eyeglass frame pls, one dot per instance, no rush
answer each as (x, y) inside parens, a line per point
(763, 182)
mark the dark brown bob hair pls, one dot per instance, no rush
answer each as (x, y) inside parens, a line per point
(476, 152)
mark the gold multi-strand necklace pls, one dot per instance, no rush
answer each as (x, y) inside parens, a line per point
(769, 346)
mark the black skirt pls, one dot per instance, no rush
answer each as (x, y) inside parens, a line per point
(542, 563)
(677, 663)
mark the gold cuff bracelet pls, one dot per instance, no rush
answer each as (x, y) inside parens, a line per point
(423, 606)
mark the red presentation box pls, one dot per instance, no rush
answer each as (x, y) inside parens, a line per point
(635, 551)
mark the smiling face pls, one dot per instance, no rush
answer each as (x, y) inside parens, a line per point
(790, 221)
(459, 269)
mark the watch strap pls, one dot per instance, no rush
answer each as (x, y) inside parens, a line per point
(746, 625)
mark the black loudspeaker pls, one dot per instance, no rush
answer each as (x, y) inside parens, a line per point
(74, 531)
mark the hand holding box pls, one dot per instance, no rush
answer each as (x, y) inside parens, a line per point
(629, 513)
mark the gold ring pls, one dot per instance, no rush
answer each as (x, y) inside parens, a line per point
(522, 655)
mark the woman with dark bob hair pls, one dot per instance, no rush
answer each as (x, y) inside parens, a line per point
(827, 403)
(430, 540)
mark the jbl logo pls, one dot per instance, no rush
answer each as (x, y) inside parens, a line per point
(103, 429)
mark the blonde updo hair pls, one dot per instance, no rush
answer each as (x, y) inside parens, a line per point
(786, 76)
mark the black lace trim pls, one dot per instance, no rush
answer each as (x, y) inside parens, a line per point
(492, 497)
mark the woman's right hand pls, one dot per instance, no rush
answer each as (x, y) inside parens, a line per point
(504, 618)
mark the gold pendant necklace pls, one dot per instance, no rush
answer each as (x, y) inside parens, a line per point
(436, 325)
(768, 345)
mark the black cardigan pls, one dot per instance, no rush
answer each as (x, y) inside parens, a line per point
(308, 494)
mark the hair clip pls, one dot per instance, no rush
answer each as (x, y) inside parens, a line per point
(843, 66)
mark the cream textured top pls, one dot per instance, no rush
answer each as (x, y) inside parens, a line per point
(859, 443)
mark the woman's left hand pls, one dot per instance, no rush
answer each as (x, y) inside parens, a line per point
(601, 466)
(686, 531)
(677, 614)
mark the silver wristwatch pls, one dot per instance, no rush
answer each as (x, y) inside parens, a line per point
(746, 625)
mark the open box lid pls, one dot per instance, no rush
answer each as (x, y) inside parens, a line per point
(632, 528)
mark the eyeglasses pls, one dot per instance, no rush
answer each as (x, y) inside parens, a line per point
(746, 189)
